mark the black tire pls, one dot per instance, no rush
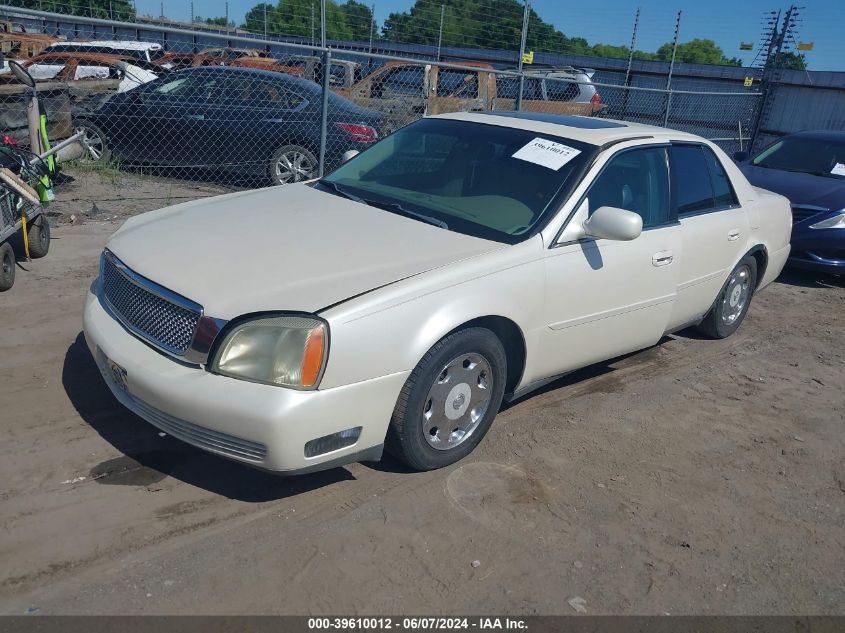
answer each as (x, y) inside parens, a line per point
(733, 301)
(7, 266)
(292, 163)
(38, 235)
(97, 140)
(408, 438)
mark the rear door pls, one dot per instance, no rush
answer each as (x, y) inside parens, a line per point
(251, 118)
(714, 228)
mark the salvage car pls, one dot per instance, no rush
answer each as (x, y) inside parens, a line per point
(405, 91)
(98, 72)
(464, 259)
(238, 121)
(809, 169)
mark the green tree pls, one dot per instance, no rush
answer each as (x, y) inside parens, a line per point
(697, 51)
(359, 18)
(790, 60)
(221, 21)
(114, 10)
(302, 18)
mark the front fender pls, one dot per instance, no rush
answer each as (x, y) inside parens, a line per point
(389, 330)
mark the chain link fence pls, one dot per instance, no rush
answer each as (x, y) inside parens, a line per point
(247, 111)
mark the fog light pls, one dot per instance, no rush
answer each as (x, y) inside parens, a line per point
(333, 442)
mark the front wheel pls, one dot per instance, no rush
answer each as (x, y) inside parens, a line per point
(449, 401)
(292, 163)
(731, 305)
(95, 139)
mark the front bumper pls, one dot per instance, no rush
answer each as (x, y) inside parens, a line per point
(821, 250)
(261, 425)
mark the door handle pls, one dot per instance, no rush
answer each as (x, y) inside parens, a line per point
(733, 235)
(663, 258)
(195, 117)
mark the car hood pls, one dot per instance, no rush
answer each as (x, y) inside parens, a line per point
(801, 189)
(283, 248)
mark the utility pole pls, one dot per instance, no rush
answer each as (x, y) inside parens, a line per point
(265, 20)
(671, 68)
(633, 47)
(162, 10)
(525, 15)
(227, 21)
(630, 62)
(440, 36)
(192, 12)
(781, 38)
(313, 27)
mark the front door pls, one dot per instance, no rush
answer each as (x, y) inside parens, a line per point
(606, 298)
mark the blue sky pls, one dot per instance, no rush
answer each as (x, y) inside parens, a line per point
(610, 21)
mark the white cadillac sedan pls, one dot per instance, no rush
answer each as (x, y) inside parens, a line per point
(464, 259)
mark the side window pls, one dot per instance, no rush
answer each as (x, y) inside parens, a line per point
(194, 87)
(457, 83)
(561, 90)
(90, 71)
(692, 191)
(507, 87)
(723, 192)
(532, 89)
(406, 80)
(637, 181)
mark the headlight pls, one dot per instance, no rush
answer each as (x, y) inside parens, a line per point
(289, 351)
(836, 222)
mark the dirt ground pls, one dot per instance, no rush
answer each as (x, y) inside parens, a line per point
(695, 477)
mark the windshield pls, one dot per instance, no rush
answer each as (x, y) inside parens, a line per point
(493, 182)
(822, 157)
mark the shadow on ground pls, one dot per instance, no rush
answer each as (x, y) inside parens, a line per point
(148, 458)
(809, 279)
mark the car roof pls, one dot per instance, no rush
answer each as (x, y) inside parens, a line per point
(591, 130)
(124, 44)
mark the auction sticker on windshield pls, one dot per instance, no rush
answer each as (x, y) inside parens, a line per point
(546, 153)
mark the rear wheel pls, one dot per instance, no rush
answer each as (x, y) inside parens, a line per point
(731, 306)
(292, 163)
(7, 266)
(449, 401)
(38, 236)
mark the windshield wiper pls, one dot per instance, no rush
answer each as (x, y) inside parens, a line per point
(398, 208)
(340, 190)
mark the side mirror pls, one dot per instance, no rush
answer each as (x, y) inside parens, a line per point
(740, 156)
(349, 154)
(610, 223)
(21, 74)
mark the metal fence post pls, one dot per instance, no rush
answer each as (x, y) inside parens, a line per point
(324, 113)
(440, 35)
(671, 68)
(525, 15)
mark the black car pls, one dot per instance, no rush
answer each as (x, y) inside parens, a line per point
(809, 169)
(227, 120)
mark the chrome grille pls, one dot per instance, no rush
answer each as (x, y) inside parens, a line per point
(168, 323)
(799, 213)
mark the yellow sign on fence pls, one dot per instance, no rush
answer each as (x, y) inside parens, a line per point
(749, 81)
(528, 58)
